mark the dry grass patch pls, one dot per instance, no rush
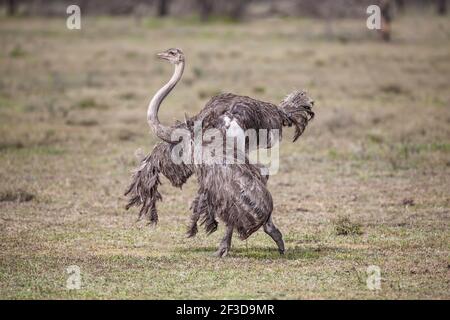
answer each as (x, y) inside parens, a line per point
(72, 117)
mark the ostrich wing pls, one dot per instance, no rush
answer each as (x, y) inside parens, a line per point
(143, 190)
(224, 109)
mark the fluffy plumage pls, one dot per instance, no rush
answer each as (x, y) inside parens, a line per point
(234, 193)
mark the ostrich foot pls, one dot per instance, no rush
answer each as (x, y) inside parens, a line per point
(225, 244)
(221, 252)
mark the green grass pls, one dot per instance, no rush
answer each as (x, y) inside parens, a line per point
(17, 52)
(367, 184)
(343, 226)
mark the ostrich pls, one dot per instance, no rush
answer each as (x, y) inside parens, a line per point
(236, 193)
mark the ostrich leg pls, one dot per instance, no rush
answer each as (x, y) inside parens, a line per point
(275, 234)
(225, 244)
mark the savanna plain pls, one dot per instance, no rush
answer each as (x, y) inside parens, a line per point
(366, 185)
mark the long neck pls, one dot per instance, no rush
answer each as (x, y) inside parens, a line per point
(160, 130)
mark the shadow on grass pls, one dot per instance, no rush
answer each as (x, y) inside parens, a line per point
(295, 253)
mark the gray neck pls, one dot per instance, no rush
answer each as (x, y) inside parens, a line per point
(160, 130)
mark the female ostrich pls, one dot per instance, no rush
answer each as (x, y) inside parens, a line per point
(236, 193)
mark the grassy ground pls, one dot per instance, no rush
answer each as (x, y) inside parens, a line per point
(368, 183)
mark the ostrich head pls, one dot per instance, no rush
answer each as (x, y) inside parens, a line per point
(173, 55)
(298, 108)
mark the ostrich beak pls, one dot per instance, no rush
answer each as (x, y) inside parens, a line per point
(162, 55)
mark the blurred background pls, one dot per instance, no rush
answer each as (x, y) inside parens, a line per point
(366, 184)
(206, 9)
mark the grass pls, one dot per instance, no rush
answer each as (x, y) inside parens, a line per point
(17, 52)
(377, 154)
(16, 195)
(343, 226)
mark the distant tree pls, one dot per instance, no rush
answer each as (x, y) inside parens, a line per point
(11, 7)
(238, 9)
(163, 8)
(235, 9)
(442, 7)
(386, 19)
(206, 8)
(400, 5)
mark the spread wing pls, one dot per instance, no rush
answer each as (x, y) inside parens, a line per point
(231, 114)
